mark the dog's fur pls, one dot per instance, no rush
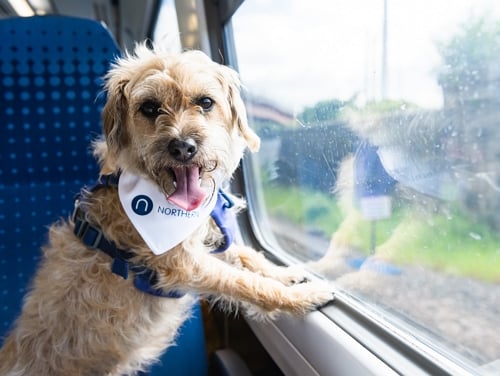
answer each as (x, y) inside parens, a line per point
(81, 319)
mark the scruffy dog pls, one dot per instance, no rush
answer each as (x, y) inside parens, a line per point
(176, 125)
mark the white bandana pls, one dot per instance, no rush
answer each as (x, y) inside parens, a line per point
(161, 224)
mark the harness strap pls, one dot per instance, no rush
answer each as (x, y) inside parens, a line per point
(224, 219)
(93, 237)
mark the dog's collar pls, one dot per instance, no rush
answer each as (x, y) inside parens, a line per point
(145, 278)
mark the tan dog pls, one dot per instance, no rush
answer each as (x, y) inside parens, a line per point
(178, 122)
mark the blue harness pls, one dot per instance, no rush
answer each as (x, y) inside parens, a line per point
(144, 278)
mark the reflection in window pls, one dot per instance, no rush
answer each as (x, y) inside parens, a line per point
(380, 161)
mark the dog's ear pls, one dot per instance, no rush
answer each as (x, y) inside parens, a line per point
(114, 113)
(238, 112)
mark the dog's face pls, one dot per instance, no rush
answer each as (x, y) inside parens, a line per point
(174, 117)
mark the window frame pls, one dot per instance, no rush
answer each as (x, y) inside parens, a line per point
(346, 337)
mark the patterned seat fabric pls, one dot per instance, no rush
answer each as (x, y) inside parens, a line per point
(51, 94)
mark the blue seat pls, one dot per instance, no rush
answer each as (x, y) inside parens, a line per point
(51, 70)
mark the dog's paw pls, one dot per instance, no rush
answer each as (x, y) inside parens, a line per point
(296, 300)
(289, 275)
(306, 297)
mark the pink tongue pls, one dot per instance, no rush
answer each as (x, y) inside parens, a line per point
(188, 194)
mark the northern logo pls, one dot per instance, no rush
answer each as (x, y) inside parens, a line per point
(142, 205)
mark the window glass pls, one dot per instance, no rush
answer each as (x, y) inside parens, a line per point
(380, 158)
(166, 30)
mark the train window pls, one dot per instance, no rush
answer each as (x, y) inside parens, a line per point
(166, 29)
(380, 159)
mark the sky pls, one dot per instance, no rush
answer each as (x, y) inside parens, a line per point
(297, 52)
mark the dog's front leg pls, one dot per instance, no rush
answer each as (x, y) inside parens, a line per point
(256, 262)
(208, 275)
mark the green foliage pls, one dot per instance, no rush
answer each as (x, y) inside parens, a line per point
(304, 207)
(384, 106)
(452, 243)
(470, 53)
(334, 110)
(266, 128)
(321, 112)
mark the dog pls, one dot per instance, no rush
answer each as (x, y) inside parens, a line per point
(109, 297)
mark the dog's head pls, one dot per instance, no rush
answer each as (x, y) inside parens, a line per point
(174, 117)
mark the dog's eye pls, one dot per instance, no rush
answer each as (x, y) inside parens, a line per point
(205, 103)
(150, 109)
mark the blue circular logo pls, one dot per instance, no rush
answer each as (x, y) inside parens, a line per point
(142, 205)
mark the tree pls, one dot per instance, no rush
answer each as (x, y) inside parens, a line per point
(322, 112)
(470, 60)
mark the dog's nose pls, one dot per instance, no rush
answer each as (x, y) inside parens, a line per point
(183, 150)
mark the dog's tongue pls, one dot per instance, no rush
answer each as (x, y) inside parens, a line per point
(188, 194)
